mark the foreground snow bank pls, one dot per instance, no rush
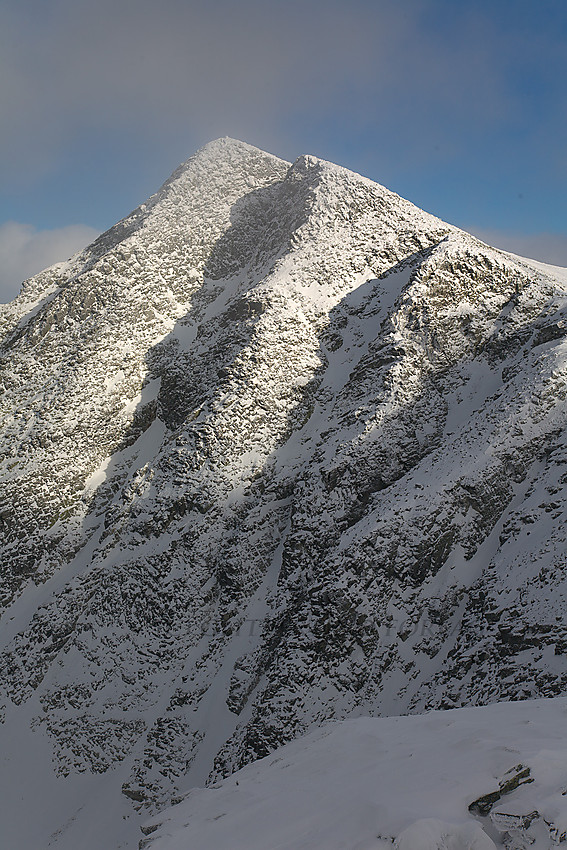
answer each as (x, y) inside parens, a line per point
(468, 779)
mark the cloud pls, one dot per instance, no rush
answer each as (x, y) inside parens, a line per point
(249, 69)
(25, 251)
(436, 99)
(546, 247)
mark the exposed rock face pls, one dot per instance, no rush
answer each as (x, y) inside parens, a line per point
(278, 447)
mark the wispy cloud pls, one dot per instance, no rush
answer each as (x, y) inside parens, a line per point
(546, 247)
(251, 69)
(25, 251)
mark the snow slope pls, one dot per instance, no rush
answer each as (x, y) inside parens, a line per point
(278, 448)
(403, 782)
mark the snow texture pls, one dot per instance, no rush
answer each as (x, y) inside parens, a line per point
(409, 783)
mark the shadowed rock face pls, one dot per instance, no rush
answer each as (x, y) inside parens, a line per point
(278, 448)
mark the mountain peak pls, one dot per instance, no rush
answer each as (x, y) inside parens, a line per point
(227, 145)
(225, 152)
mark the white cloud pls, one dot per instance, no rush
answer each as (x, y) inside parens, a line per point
(25, 251)
(546, 247)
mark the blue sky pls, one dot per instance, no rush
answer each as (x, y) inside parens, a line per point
(460, 107)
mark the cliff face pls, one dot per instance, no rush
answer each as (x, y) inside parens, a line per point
(279, 447)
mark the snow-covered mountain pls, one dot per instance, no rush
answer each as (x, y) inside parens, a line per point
(278, 448)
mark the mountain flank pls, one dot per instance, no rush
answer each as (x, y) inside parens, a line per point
(278, 448)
